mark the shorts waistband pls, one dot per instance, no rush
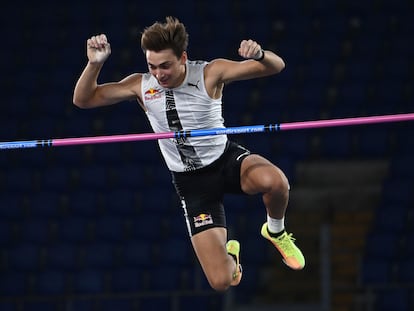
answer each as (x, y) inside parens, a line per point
(206, 168)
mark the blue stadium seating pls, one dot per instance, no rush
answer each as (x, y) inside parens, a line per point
(375, 271)
(88, 281)
(91, 219)
(396, 299)
(50, 282)
(99, 255)
(41, 305)
(14, 284)
(63, 257)
(128, 280)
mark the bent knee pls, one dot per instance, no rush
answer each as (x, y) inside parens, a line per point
(219, 284)
(275, 181)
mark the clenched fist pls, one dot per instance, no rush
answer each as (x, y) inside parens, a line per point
(98, 49)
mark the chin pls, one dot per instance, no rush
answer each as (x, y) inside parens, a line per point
(164, 84)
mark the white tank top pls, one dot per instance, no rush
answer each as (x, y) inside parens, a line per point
(186, 107)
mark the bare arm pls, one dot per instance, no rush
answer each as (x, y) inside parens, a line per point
(88, 93)
(221, 71)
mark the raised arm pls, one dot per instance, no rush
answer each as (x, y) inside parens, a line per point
(257, 63)
(88, 93)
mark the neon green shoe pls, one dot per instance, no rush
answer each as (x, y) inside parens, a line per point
(233, 248)
(292, 256)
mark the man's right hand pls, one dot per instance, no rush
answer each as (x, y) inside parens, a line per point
(98, 49)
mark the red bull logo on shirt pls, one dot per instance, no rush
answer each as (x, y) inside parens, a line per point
(151, 94)
(202, 220)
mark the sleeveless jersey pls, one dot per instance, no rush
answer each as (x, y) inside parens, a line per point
(186, 107)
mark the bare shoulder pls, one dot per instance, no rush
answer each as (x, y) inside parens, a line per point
(213, 77)
(215, 69)
(132, 83)
(218, 64)
(132, 79)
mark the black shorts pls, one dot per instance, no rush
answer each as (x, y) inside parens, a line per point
(202, 191)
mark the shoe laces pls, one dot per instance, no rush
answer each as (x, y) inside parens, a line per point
(285, 242)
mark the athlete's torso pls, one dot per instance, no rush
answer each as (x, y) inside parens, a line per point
(186, 107)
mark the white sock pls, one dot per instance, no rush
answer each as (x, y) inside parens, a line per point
(275, 225)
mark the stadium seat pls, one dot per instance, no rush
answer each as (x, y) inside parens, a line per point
(392, 299)
(110, 229)
(74, 230)
(14, 284)
(63, 257)
(24, 257)
(375, 271)
(50, 283)
(88, 281)
(127, 280)
(98, 255)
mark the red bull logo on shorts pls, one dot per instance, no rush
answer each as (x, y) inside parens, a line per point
(202, 220)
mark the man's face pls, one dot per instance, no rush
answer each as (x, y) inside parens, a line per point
(166, 68)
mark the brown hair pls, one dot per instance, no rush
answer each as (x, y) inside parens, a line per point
(169, 35)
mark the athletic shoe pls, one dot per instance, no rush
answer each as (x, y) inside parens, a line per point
(233, 248)
(292, 256)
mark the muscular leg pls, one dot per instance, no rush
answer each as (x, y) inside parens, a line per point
(210, 248)
(258, 175)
